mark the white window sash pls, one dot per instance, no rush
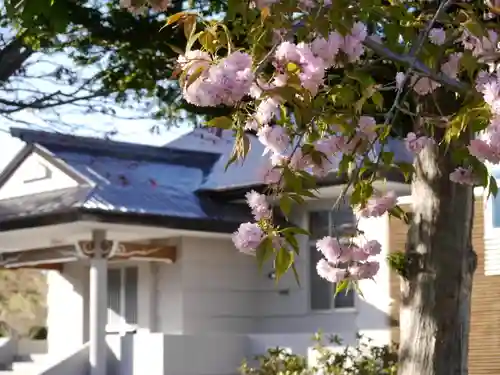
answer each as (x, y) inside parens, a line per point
(119, 324)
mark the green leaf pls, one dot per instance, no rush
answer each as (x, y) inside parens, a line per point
(175, 17)
(387, 157)
(221, 122)
(208, 41)
(283, 262)
(176, 49)
(295, 230)
(407, 170)
(469, 63)
(286, 204)
(189, 27)
(492, 187)
(194, 76)
(399, 213)
(378, 100)
(264, 251)
(343, 285)
(475, 28)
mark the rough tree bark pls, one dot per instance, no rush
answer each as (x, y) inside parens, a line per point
(435, 305)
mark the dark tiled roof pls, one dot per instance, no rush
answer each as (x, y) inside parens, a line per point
(44, 203)
(128, 179)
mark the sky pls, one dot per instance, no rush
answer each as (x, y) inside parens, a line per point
(94, 124)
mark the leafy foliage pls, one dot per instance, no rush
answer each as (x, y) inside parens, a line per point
(120, 62)
(363, 359)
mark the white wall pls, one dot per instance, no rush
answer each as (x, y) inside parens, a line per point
(374, 307)
(220, 287)
(67, 313)
(47, 178)
(169, 306)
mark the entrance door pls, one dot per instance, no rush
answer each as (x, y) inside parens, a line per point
(122, 300)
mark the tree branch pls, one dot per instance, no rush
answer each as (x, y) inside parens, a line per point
(12, 57)
(418, 66)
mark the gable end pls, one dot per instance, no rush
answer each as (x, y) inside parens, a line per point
(33, 172)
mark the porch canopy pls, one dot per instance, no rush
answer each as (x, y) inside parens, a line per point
(66, 198)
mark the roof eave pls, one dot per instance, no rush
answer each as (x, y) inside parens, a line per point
(334, 179)
(74, 214)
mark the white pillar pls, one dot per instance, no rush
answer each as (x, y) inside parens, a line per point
(98, 298)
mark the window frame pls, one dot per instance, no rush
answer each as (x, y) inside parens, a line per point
(122, 327)
(311, 245)
(489, 202)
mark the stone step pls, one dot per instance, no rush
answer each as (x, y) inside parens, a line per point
(28, 367)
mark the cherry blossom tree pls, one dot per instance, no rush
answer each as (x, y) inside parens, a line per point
(325, 85)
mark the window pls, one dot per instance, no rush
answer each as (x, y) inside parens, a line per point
(122, 297)
(495, 209)
(495, 204)
(340, 222)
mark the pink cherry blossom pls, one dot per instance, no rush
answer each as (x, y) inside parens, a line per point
(484, 151)
(400, 76)
(271, 175)
(437, 36)
(274, 138)
(366, 270)
(248, 237)
(267, 110)
(259, 205)
(331, 249)
(225, 82)
(464, 176)
(367, 126)
(479, 46)
(327, 49)
(424, 86)
(330, 273)
(377, 206)
(372, 247)
(452, 66)
(358, 254)
(416, 144)
(491, 95)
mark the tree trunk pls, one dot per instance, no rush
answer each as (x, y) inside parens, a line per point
(435, 305)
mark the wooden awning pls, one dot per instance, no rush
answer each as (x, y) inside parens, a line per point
(53, 258)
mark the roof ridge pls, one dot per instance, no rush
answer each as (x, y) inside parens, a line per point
(107, 146)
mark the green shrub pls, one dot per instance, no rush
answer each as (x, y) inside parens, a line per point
(5, 330)
(362, 359)
(38, 333)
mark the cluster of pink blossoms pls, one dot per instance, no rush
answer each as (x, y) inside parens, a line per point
(332, 148)
(339, 262)
(487, 44)
(138, 6)
(249, 235)
(224, 82)
(379, 205)
(415, 143)
(349, 262)
(424, 86)
(487, 148)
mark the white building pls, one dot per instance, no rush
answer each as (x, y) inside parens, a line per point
(144, 277)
